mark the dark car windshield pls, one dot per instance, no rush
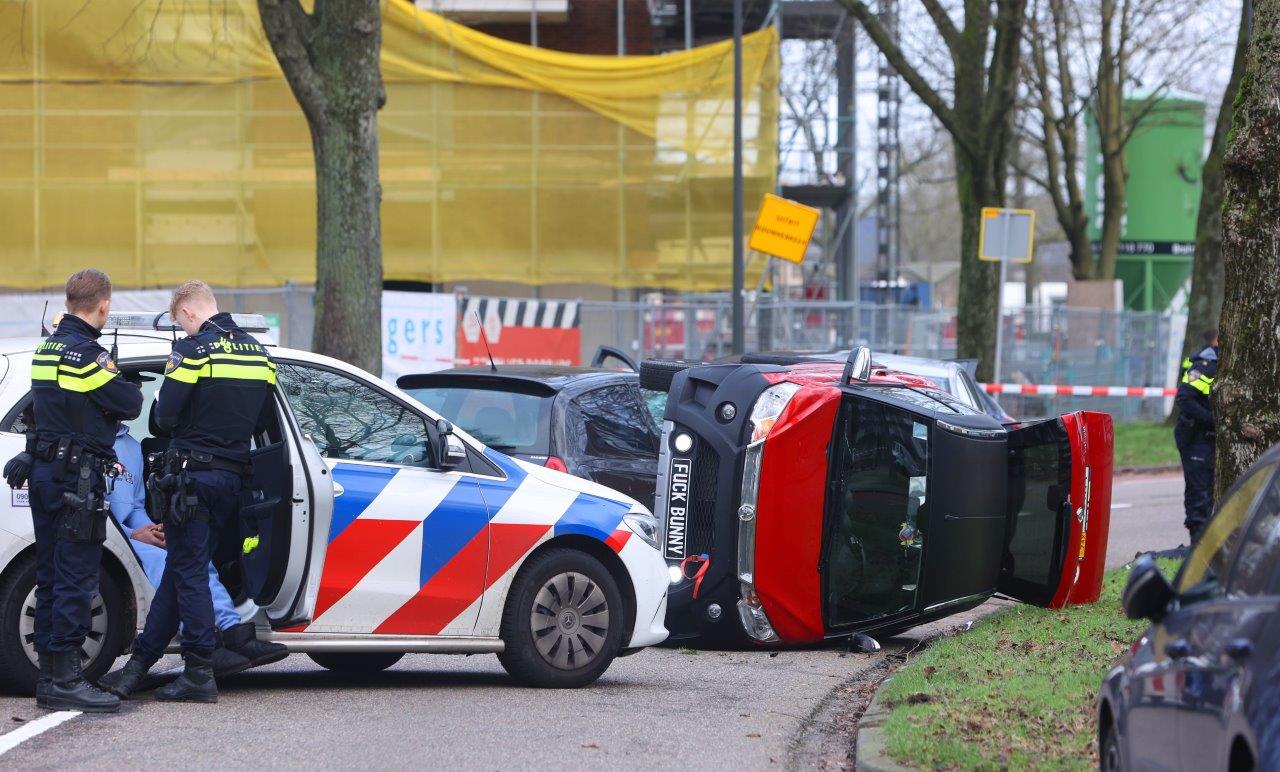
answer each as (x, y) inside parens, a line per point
(505, 420)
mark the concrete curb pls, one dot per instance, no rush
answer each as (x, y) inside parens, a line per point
(1159, 469)
(873, 741)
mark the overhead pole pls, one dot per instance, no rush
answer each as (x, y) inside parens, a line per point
(739, 319)
(622, 27)
(688, 24)
(889, 102)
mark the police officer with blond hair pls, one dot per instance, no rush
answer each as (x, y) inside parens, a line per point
(78, 396)
(216, 383)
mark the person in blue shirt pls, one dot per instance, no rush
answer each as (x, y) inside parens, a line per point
(128, 506)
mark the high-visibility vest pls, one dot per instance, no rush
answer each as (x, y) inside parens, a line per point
(1201, 383)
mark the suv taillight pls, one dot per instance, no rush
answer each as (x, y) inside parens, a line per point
(557, 464)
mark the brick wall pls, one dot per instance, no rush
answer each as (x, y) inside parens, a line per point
(592, 28)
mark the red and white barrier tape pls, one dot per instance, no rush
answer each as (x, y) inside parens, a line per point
(1078, 391)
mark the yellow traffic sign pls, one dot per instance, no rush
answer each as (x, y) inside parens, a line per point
(1006, 234)
(783, 228)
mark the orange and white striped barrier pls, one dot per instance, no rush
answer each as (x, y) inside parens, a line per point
(1050, 390)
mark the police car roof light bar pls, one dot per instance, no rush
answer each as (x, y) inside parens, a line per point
(149, 320)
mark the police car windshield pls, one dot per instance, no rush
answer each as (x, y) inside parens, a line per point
(504, 420)
(929, 399)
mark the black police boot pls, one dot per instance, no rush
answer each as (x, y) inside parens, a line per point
(196, 683)
(126, 682)
(69, 691)
(225, 661)
(46, 676)
(243, 640)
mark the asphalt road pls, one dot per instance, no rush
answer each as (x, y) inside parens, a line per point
(663, 708)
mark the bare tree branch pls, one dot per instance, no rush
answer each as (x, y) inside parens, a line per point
(946, 27)
(289, 30)
(918, 85)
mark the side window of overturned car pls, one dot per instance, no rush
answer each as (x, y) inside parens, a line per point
(349, 419)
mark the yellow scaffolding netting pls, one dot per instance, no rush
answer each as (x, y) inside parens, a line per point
(157, 139)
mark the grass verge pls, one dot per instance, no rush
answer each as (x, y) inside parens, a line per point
(1145, 444)
(1017, 691)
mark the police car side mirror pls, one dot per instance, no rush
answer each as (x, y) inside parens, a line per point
(451, 451)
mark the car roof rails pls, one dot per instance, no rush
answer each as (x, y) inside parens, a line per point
(858, 365)
(161, 322)
(603, 353)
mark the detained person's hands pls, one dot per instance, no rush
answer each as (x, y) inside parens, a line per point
(150, 534)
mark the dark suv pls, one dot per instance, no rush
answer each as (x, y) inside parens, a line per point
(590, 422)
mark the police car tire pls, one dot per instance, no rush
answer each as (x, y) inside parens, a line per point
(17, 674)
(521, 658)
(356, 661)
(656, 374)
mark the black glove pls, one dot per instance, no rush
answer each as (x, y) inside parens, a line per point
(18, 470)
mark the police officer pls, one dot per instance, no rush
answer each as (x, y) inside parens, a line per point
(77, 398)
(1194, 436)
(1210, 338)
(216, 383)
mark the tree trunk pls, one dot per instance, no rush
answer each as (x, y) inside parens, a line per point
(330, 58)
(1083, 261)
(979, 280)
(1246, 397)
(1204, 305)
(349, 241)
(1115, 174)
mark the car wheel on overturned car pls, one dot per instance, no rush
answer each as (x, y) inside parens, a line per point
(108, 629)
(356, 661)
(563, 622)
(656, 374)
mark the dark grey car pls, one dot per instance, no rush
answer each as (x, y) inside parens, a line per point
(1200, 690)
(590, 422)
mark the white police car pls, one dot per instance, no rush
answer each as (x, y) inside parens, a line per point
(379, 530)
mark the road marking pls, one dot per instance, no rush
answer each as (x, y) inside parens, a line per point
(13, 739)
(1121, 506)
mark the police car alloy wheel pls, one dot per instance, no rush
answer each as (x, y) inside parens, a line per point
(563, 622)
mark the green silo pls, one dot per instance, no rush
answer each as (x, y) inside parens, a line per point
(1157, 241)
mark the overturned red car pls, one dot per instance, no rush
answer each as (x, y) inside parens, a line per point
(813, 500)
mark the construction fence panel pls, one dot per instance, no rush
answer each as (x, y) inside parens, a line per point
(1041, 345)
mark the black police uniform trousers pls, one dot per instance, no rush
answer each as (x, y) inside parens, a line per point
(66, 571)
(183, 595)
(1196, 449)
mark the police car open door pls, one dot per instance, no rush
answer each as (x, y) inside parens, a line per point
(1059, 510)
(284, 517)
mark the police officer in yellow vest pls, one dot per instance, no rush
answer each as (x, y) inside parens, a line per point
(78, 396)
(215, 385)
(1194, 435)
(1210, 344)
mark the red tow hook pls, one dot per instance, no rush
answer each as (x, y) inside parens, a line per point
(703, 562)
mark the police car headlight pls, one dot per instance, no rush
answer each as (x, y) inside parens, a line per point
(644, 525)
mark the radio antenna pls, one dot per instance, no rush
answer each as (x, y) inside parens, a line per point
(44, 331)
(492, 367)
